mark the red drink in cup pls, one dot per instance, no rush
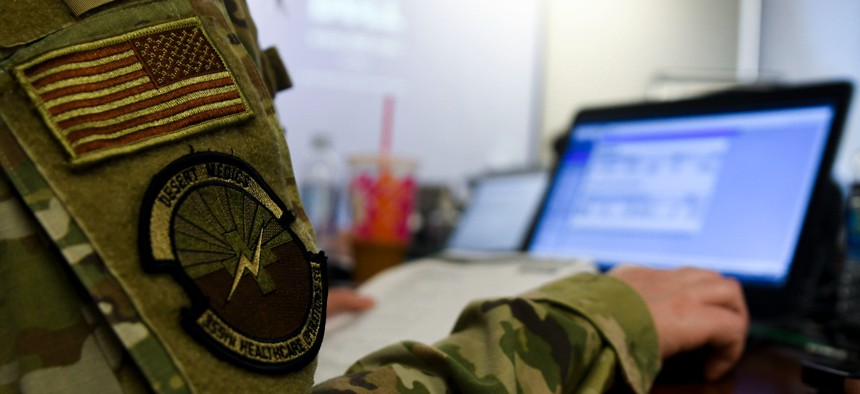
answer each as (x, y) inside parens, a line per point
(382, 192)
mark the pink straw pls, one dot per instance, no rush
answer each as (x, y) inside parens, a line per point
(387, 124)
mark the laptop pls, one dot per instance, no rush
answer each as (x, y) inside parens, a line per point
(483, 259)
(729, 182)
(498, 216)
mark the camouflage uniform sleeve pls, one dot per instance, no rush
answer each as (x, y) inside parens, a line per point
(581, 334)
(51, 338)
(68, 286)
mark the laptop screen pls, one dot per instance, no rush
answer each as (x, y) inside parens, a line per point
(726, 190)
(500, 210)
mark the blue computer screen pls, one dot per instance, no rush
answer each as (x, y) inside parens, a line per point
(728, 191)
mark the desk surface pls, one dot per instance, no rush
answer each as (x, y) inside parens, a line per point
(760, 371)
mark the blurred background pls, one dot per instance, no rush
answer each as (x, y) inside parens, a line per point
(475, 86)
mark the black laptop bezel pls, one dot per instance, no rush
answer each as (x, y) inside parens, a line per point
(764, 300)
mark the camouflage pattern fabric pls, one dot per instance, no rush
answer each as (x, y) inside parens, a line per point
(136, 344)
(72, 314)
(54, 337)
(43, 254)
(583, 334)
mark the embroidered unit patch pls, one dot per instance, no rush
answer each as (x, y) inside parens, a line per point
(258, 295)
(124, 93)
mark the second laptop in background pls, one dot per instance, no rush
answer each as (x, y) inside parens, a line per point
(497, 217)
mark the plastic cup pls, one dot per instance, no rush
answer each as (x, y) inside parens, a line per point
(382, 193)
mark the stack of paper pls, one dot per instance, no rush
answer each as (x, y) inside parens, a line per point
(421, 300)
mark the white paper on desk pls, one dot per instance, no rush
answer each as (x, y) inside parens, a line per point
(421, 301)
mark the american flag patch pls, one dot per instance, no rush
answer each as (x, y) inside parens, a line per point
(128, 92)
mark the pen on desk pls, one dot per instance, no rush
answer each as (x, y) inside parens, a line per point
(800, 341)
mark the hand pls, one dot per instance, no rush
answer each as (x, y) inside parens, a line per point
(692, 308)
(345, 299)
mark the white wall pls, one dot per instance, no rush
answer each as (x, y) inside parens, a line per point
(607, 51)
(475, 88)
(816, 40)
(463, 74)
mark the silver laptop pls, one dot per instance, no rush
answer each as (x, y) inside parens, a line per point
(497, 218)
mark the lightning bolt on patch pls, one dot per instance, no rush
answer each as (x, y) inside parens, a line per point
(253, 266)
(211, 221)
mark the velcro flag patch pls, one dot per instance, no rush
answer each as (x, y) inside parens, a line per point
(125, 93)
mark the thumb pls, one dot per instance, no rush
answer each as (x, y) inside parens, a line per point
(342, 300)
